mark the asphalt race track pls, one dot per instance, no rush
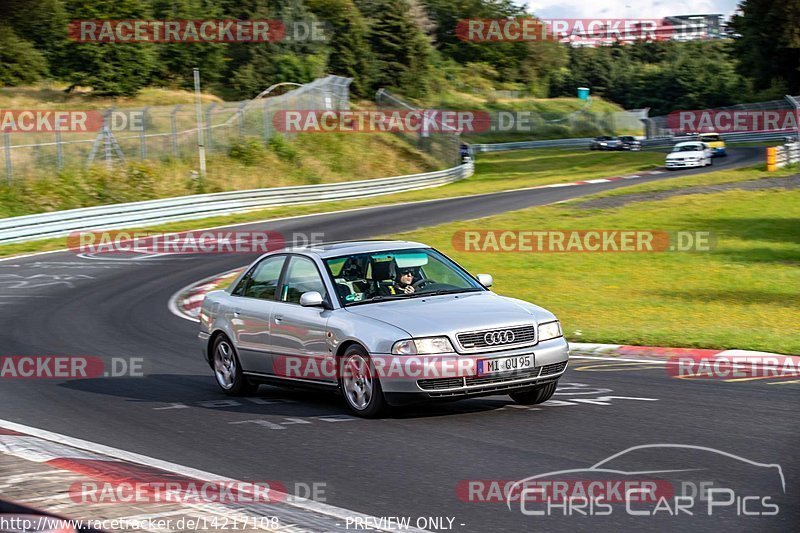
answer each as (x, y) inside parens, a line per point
(408, 464)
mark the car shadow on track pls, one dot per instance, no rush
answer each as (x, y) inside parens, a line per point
(171, 391)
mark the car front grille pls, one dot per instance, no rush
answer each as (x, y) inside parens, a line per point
(499, 337)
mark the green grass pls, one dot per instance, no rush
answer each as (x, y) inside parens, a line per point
(494, 172)
(742, 294)
(309, 159)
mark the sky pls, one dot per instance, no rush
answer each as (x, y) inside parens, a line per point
(640, 9)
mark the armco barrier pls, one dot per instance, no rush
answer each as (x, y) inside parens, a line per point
(583, 142)
(140, 214)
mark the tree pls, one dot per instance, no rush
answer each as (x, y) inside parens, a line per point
(41, 22)
(402, 51)
(20, 62)
(113, 69)
(350, 54)
(176, 60)
(768, 43)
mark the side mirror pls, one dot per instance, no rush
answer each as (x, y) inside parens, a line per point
(486, 280)
(311, 299)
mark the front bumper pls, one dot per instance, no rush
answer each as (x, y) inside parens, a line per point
(550, 360)
(683, 164)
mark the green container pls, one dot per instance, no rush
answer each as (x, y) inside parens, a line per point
(583, 93)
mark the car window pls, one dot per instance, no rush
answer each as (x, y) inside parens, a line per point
(301, 276)
(262, 281)
(688, 148)
(373, 276)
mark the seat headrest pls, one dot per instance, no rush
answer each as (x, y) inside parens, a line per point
(383, 270)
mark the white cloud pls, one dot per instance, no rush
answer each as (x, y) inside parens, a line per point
(641, 9)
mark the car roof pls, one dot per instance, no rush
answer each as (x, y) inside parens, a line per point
(688, 143)
(338, 249)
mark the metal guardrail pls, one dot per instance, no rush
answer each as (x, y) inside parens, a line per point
(141, 214)
(148, 213)
(528, 145)
(583, 142)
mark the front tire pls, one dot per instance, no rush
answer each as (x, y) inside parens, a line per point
(360, 383)
(228, 370)
(540, 394)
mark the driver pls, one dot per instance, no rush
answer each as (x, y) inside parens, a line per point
(404, 283)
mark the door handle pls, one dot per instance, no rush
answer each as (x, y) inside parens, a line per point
(236, 312)
(278, 319)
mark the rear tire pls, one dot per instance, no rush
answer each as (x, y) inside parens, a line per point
(228, 370)
(540, 394)
(360, 383)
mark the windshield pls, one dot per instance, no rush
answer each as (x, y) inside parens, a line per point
(710, 138)
(396, 274)
(688, 148)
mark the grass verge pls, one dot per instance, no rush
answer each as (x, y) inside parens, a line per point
(494, 172)
(742, 294)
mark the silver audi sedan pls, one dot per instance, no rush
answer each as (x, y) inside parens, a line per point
(384, 323)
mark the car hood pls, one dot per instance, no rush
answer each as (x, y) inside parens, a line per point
(453, 313)
(681, 155)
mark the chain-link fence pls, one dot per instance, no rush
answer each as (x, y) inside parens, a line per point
(665, 126)
(442, 145)
(165, 131)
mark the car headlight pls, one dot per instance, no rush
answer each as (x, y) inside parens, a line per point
(429, 345)
(548, 331)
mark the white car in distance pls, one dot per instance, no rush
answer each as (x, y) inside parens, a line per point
(689, 154)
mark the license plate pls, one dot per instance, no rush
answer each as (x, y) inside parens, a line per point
(505, 364)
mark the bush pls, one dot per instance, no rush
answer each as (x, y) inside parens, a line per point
(248, 151)
(283, 149)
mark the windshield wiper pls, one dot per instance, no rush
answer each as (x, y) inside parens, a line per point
(379, 298)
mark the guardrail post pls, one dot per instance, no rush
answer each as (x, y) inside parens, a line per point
(7, 148)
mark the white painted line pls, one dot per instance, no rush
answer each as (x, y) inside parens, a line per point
(601, 180)
(122, 455)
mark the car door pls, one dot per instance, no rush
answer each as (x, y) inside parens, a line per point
(253, 301)
(299, 334)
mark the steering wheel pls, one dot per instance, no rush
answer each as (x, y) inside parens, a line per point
(421, 284)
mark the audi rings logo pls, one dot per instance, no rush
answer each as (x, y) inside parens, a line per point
(499, 337)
